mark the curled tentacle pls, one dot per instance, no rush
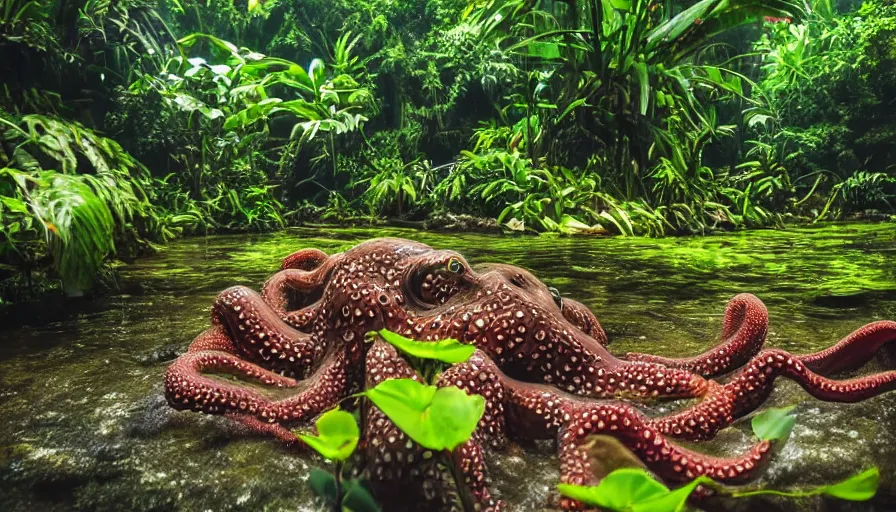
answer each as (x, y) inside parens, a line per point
(672, 463)
(262, 336)
(541, 412)
(188, 386)
(306, 259)
(753, 383)
(854, 350)
(213, 338)
(584, 319)
(701, 421)
(743, 333)
(303, 274)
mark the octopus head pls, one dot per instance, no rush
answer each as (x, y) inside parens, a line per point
(502, 309)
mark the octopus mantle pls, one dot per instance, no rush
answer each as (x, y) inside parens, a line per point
(541, 363)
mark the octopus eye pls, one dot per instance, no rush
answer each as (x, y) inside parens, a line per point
(555, 293)
(455, 266)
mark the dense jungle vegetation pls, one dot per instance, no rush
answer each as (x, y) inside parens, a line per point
(127, 123)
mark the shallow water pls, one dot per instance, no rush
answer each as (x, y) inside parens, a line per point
(85, 426)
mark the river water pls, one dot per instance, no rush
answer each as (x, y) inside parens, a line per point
(84, 425)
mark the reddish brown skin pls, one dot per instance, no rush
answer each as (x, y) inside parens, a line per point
(305, 334)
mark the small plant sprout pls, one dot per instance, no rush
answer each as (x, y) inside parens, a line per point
(436, 418)
(336, 440)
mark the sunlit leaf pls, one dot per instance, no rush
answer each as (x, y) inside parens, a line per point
(448, 351)
(617, 491)
(860, 487)
(337, 435)
(435, 418)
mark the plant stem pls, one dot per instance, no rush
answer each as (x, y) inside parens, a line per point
(337, 507)
(333, 152)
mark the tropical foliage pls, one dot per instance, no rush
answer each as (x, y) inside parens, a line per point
(128, 123)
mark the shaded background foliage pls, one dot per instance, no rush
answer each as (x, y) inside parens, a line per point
(126, 123)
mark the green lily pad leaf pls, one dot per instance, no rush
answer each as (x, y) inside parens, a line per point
(773, 424)
(620, 490)
(337, 435)
(435, 418)
(860, 487)
(447, 351)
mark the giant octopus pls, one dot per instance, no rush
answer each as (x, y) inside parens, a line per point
(541, 363)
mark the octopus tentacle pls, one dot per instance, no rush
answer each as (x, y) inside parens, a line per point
(276, 290)
(305, 259)
(188, 387)
(262, 336)
(582, 317)
(702, 421)
(470, 459)
(752, 384)
(542, 412)
(648, 380)
(264, 428)
(670, 462)
(304, 272)
(213, 338)
(854, 350)
(743, 333)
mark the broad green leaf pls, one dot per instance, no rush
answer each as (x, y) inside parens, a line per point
(435, 418)
(773, 424)
(544, 50)
(618, 491)
(672, 501)
(454, 414)
(644, 81)
(860, 487)
(447, 351)
(337, 435)
(621, 5)
(218, 46)
(323, 484)
(358, 499)
(17, 205)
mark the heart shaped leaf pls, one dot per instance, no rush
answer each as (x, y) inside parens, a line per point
(337, 435)
(435, 418)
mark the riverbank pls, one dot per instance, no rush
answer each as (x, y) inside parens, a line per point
(38, 288)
